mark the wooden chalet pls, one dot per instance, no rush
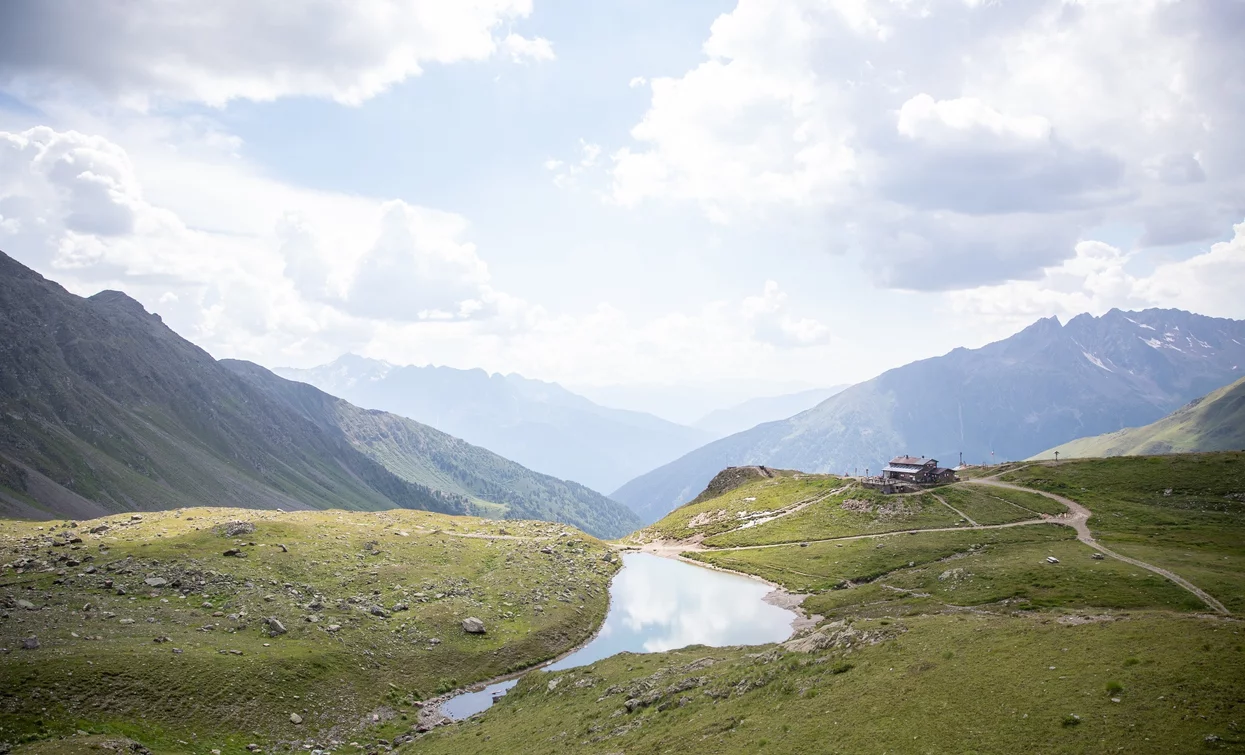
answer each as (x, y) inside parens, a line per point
(921, 471)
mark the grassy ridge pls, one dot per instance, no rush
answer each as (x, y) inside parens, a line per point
(371, 605)
(1215, 422)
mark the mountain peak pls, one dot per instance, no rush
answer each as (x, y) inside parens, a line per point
(121, 301)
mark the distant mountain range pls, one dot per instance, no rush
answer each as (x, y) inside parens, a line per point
(1045, 385)
(753, 412)
(1213, 423)
(104, 409)
(540, 425)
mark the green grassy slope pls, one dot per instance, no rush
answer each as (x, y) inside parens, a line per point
(1183, 512)
(1215, 422)
(969, 683)
(189, 664)
(423, 456)
(961, 641)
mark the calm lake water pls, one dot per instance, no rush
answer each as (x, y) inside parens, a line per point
(659, 604)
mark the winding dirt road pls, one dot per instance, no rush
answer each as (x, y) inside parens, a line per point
(1080, 522)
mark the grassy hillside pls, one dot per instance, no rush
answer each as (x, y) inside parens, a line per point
(429, 458)
(969, 618)
(104, 409)
(952, 638)
(146, 629)
(1182, 512)
(1215, 422)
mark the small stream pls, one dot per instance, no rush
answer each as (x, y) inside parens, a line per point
(659, 604)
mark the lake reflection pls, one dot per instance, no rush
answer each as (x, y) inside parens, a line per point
(659, 604)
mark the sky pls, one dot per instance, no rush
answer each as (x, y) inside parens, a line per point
(761, 193)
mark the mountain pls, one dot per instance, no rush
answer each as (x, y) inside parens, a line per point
(753, 412)
(1215, 422)
(104, 409)
(541, 425)
(1041, 387)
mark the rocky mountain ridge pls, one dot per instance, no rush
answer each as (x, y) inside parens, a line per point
(1010, 399)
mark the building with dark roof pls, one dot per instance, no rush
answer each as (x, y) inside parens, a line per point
(919, 470)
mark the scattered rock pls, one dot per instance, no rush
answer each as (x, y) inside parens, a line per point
(26, 605)
(275, 627)
(295, 718)
(377, 611)
(136, 517)
(100, 529)
(235, 553)
(156, 581)
(30, 643)
(333, 627)
(473, 625)
(235, 528)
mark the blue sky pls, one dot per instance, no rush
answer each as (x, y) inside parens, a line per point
(626, 192)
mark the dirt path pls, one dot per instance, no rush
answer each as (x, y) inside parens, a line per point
(963, 516)
(1079, 521)
(844, 538)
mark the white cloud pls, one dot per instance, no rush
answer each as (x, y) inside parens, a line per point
(637, 81)
(773, 322)
(302, 276)
(237, 49)
(983, 138)
(965, 119)
(524, 50)
(417, 268)
(567, 174)
(1098, 278)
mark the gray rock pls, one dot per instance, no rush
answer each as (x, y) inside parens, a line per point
(377, 611)
(156, 581)
(233, 529)
(26, 605)
(275, 627)
(473, 626)
(136, 517)
(30, 643)
(295, 718)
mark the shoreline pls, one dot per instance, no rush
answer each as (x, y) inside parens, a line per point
(777, 596)
(434, 705)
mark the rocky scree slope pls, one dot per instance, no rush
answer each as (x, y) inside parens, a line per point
(1043, 386)
(104, 409)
